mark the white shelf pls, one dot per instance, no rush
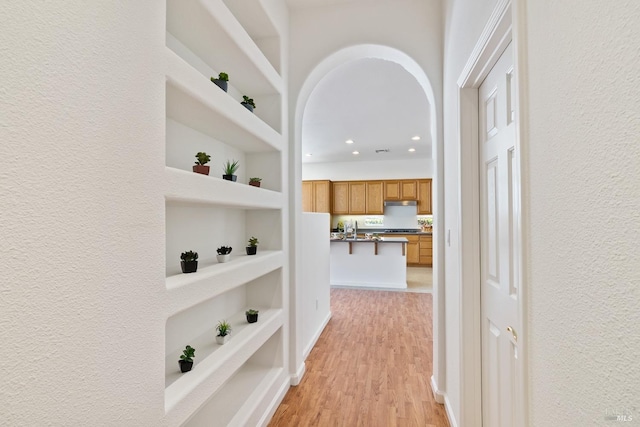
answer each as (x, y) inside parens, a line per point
(194, 188)
(187, 290)
(214, 364)
(253, 383)
(195, 101)
(210, 30)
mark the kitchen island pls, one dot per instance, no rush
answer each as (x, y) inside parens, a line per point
(369, 263)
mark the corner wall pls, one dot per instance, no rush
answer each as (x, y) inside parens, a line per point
(81, 217)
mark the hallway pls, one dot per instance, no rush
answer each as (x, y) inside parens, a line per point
(370, 367)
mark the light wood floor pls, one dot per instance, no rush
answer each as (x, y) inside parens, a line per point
(371, 366)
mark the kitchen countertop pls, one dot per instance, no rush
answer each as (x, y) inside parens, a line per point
(381, 232)
(384, 240)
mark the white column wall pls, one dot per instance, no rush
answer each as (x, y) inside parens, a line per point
(81, 213)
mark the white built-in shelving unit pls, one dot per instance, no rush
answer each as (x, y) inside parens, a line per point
(235, 383)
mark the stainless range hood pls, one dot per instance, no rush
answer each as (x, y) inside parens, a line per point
(400, 203)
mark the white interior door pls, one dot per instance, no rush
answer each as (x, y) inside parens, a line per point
(498, 258)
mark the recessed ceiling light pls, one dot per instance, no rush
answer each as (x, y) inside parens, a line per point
(412, 149)
(356, 152)
(416, 138)
(308, 154)
(349, 141)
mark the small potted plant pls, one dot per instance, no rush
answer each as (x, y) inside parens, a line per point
(252, 315)
(224, 329)
(189, 262)
(203, 159)
(186, 359)
(255, 181)
(221, 81)
(224, 253)
(248, 103)
(230, 169)
(253, 246)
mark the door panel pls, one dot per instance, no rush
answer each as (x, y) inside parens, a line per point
(497, 209)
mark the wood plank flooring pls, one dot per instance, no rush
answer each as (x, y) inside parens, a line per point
(371, 366)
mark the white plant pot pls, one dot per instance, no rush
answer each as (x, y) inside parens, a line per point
(222, 340)
(223, 258)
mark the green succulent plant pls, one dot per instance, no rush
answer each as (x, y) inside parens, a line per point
(188, 354)
(223, 76)
(252, 312)
(203, 158)
(253, 241)
(224, 250)
(189, 256)
(223, 328)
(230, 168)
(247, 100)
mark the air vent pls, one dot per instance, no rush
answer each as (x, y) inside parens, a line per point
(384, 150)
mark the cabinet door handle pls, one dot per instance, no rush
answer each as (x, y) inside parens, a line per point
(513, 333)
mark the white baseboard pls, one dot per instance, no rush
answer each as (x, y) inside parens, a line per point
(315, 337)
(275, 402)
(297, 377)
(449, 411)
(437, 394)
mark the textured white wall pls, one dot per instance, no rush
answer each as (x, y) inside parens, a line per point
(386, 169)
(315, 303)
(580, 203)
(81, 276)
(584, 210)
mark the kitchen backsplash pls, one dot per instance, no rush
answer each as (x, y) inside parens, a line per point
(394, 217)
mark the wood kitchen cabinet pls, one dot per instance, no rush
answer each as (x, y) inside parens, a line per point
(426, 250)
(357, 197)
(406, 189)
(409, 190)
(424, 197)
(392, 190)
(316, 196)
(375, 197)
(340, 197)
(413, 248)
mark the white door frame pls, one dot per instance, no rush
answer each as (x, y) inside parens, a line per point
(503, 27)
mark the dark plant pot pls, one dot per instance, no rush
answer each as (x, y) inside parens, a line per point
(204, 170)
(252, 318)
(230, 177)
(255, 183)
(189, 266)
(247, 106)
(222, 84)
(251, 250)
(185, 366)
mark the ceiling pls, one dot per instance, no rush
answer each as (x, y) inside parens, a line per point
(303, 4)
(375, 103)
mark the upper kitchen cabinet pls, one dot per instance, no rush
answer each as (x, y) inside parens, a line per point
(340, 197)
(357, 198)
(375, 197)
(424, 197)
(316, 196)
(406, 189)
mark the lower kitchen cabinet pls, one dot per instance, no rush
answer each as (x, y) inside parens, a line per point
(413, 248)
(419, 249)
(426, 250)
